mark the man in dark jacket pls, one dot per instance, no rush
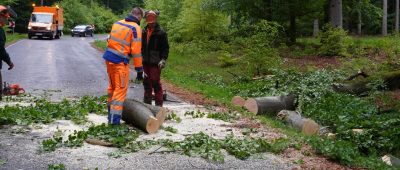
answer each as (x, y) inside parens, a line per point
(5, 13)
(155, 49)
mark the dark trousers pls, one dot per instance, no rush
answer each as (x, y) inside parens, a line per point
(1, 87)
(152, 83)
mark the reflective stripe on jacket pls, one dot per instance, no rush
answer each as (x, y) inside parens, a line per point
(124, 43)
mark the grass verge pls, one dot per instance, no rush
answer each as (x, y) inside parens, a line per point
(12, 38)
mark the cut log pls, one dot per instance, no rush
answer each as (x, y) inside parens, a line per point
(391, 161)
(331, 136)
(357, 131)
(310, 127)
(270, 105)
(293, 119)
(160, 113)
(238, 101)
(391, 81)
(140, 116)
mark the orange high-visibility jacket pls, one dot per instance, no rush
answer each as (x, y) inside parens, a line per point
(125, 41)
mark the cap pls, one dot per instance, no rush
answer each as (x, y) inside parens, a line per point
(151, 16)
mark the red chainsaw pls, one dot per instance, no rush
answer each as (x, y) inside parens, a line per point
(13, 89)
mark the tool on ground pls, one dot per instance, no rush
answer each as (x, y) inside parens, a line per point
(13, 89)
(165, 95)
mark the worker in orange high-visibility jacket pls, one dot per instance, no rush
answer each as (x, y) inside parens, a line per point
(124, 43)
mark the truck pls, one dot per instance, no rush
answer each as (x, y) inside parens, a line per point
(46, 22)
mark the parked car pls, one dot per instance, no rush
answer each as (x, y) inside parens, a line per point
(82, 31)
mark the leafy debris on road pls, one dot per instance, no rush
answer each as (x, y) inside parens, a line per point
(44, 111)
(50, 145)
(2, 162)
(224, 116)
(118, 136)
(56, 167)
(174, 117)
(199, 144)
(170, 129)
(195, 114)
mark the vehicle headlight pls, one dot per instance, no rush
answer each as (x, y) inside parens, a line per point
(29, 27)
(48, 28)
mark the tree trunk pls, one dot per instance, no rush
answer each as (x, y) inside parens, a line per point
(359, 25)
(140, 116)
(269, 10)
(292, 26)
(270, 105)
(384, 19)
(391, 81)
(336, 15)
(397, 16)
(316, 28)
(293, 119)
(238, 101)
(160, 113)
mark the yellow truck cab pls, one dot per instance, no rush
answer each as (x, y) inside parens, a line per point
(46, 22)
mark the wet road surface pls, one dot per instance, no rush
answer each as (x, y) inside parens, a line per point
(67, 67)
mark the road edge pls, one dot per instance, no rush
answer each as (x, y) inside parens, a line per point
(10, 44)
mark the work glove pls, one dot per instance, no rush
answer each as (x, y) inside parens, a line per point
(10, 65)
(139, 76)
(161, 64)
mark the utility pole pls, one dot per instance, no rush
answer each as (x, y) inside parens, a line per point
(41, 2)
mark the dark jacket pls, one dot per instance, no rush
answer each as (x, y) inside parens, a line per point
(157, 48)
(3, 53)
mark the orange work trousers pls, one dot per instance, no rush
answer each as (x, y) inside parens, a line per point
(118, 75)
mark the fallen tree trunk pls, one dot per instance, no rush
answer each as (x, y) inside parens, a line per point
(140, 116)
(270, 105)
(293, 119)
(391, 161)
(238, 101)
(391, 81)
(160, 113)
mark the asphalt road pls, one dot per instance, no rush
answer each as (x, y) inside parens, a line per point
(70, 67)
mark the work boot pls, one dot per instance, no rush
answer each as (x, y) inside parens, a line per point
(159, 103)
(147, 99)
